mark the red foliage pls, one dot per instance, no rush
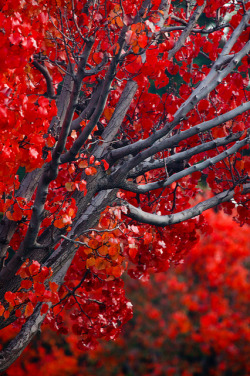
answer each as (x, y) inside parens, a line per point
(114, 115)
(192, 320)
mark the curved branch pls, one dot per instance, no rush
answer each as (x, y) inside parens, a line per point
(196, 31)
(48, 78)
(176, 139)
(89, 110)
(184, 155)
(166, 220)
(132, 187)
(98, 68)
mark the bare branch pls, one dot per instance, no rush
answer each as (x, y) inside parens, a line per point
(174, 140)
(48, 78)
(196, 31)
(184, 155)
(22, 339)
(132, 187)
(117, 118)
(89, 110)
(98, 68)
(166, 220)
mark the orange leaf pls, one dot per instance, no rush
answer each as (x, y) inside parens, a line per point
(108, 112)
(83, 164)
(70, 186)
(119, 22)
(73, 134)
(6, 314)
(50, 141)
(117, 271)
(53, 286)
(90, 171)
(9, 215)
(59, 223)
(100, 263)
(90, 262)
(29, 310)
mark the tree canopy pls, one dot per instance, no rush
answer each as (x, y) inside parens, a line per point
(114, 117)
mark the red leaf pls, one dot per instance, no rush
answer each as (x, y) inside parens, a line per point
(2, 309)
(105, 164)
(148, 238)
(143, 40)
(34, 268)
(10, 297)
(39, 288)
(26, 284)
(91, 159)
(44, 309)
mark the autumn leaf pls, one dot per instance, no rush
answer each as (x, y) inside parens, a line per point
(44, 309)
(29, 310)
(143, 40)
(108, 112)
(2, 309)
(70, 186)
(26, 284)
(53, 286)
(90, 171)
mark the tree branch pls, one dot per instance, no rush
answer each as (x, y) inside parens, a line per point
(171, 219)
(174, 140)
(71, 154)
(184, 155)
(117, 118)
(132, 187)
(22, 339)
(48, 78)
(196, 31)
(187, 31)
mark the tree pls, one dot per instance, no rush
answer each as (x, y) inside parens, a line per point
(115, 113)
(191, 320)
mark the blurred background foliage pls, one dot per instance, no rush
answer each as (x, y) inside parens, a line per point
(191, 321)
